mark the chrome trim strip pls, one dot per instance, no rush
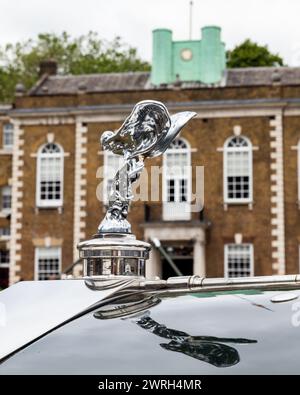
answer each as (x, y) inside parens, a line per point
(199, 283)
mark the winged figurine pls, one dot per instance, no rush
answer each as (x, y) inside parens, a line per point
(146, 132)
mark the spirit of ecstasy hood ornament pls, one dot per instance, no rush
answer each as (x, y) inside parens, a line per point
(147, 132)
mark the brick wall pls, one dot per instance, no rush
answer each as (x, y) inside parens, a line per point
(46, 222)
(292, 208)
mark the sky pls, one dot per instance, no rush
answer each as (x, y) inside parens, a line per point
(272, 22)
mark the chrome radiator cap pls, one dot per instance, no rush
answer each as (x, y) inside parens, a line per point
(114, 254)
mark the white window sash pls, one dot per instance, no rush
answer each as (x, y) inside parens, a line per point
(177, 189)
(38, 256)
(49, 203)
(227, 150)
(6, 194)
(177, 210)
(227, 254)
(8, 136)
(5, 234)
(4, 231)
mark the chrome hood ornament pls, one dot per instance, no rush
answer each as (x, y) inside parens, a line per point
(147, 132)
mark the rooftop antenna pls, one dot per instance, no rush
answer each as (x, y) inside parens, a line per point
(191, 19)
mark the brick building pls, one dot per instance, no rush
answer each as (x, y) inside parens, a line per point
(246, 135)
(6, 148)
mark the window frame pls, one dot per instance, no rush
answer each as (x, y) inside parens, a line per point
(298, 169)
(3, 234)
(166, 178)
(226, 150)
(5, 265)
(299, 258)
(49, 203)
(37, 251)
(3, 188)
(226, 255)
(4, 135)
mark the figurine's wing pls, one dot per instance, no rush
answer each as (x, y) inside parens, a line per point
(177, 123)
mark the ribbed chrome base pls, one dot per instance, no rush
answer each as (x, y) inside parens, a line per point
(114, 254)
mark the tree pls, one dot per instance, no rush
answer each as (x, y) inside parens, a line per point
(19, 63)
(250, 54)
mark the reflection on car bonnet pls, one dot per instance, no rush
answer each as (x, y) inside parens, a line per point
(205, 348)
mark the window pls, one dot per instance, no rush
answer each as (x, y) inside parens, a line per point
(47, 263)
(238, 260)
(298, 153)
(112, 163)
(4, 258)
(6, 198)
(8, 135)
(50, 171)
(4, 232)
(177, 181)
(238, 170)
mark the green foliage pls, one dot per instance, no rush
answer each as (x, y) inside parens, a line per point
(250, 54)
(82, 55)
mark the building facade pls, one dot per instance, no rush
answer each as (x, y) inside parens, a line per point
(246, 135)
(6, 148)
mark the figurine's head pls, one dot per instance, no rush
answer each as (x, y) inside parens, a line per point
(149, 119)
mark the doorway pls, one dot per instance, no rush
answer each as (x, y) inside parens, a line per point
(182, 256)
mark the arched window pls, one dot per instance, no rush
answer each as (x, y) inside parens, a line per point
(50, 174)
(238, 170)
(177, 181)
